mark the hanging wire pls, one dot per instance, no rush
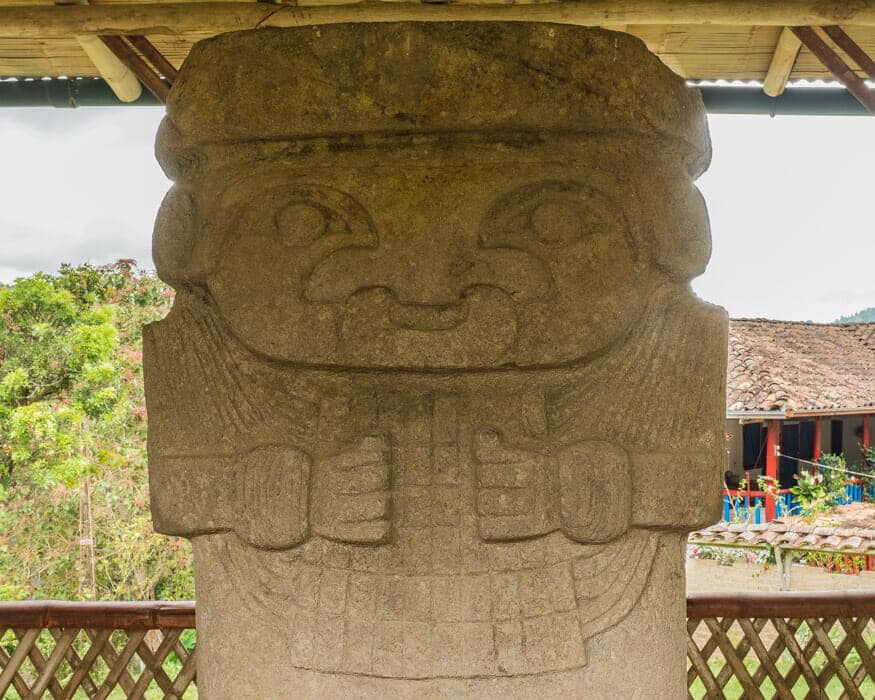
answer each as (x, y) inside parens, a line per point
(824, 466)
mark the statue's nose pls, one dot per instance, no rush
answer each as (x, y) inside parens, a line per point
(415, 278)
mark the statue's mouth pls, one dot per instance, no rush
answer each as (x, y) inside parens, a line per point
(386, 314)
(426, 317)
(376, 327)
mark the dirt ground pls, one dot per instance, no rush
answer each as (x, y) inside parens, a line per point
(708, 576)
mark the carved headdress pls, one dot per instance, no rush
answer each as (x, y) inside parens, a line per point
(411, 80)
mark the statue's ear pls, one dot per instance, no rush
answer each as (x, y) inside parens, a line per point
(681, 243)
(174, 235)
(173, 238)
(176, 158)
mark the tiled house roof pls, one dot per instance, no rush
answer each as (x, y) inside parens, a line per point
(790, 366)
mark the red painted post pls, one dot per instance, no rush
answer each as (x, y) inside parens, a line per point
(773, 440)
(818, 448)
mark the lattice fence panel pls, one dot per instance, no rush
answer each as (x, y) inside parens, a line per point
(729, 656)
(74, 664)
(781, 658)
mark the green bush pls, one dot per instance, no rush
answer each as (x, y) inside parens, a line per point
(72, 440)
(821, 492)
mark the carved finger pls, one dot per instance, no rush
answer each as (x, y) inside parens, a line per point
(493, 502)
(370, 532)
(361, 480)
(505, 474)
(504, 528)
(488, 448)
(373, 449)
(352, 460)
(370, 506)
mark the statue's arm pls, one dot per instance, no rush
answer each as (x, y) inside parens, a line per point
(275, 496)
(218, 461)
(676, 490)
(582, 489)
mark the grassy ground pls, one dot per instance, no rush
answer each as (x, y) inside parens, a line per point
(834, 689)
(734, 691)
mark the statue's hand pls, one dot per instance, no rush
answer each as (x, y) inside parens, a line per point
(272, 493)
(595, 491)
(516, 496)
(351, 493)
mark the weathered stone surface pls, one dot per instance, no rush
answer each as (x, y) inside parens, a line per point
(435, 401)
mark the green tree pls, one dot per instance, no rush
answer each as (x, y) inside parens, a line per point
(73, 487)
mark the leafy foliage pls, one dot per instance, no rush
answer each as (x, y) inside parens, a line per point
(75, 519)
(821, 492)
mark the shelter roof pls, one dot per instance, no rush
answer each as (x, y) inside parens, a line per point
(735, 39)
(798, 367)
(795, 535)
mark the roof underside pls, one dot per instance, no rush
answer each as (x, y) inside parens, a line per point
(706, 51)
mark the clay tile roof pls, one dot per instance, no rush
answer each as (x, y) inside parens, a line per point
(792, 534)
(790, 366)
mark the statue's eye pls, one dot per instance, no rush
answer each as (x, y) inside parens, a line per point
(557, 222)
(562, 221)
(301, 224)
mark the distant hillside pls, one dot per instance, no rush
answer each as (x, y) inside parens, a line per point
(864, 316)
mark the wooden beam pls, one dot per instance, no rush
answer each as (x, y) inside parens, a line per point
(773, 442)
(744, 604)
(147, 76)
(116, 74)
(850, 47)
(207, 18)
(818, 440)
(783, 60)
(840, 70)
(154, 56)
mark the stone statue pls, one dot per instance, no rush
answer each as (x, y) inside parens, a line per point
(435, 402)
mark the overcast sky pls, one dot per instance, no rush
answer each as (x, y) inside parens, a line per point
(791, 203)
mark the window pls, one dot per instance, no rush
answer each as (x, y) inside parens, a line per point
(806, 440)
(753, 437)
(836, 430)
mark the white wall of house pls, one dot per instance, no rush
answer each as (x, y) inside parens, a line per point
(734, 447)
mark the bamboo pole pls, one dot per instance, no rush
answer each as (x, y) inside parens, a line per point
(117, 75)
(783, 60)
(207, 18)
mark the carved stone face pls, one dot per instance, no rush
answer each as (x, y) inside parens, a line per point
(462, 255)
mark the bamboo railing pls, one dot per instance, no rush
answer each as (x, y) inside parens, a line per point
(750, 645)
(55, 649)
(781, 645)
